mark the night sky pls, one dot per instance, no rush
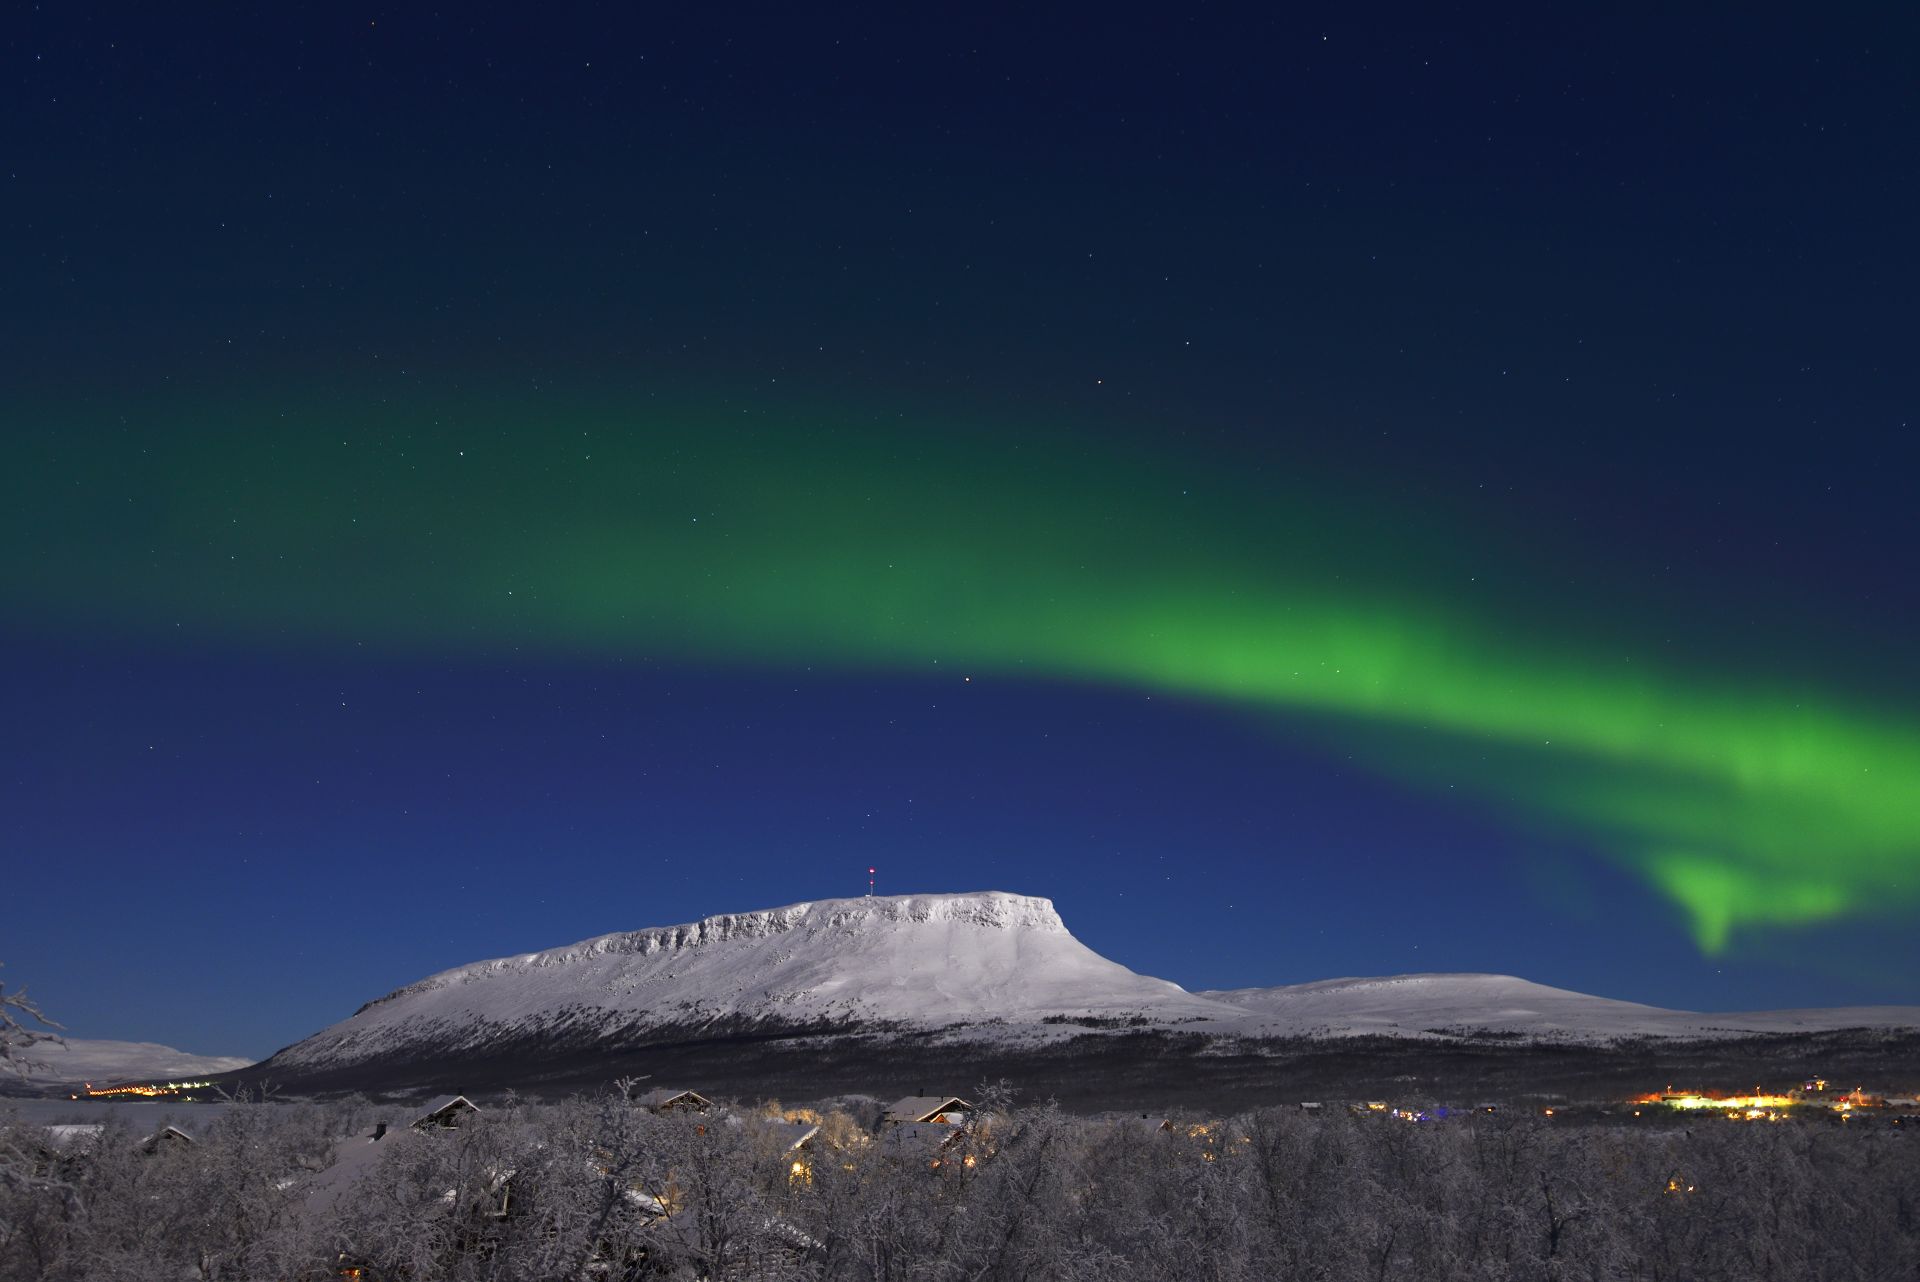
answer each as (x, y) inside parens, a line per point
(1314, 496)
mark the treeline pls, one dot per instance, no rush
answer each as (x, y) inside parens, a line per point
(598, 1189)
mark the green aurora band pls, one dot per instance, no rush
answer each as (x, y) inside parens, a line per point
(710, 536)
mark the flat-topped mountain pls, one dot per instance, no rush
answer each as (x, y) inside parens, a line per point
(875, 962)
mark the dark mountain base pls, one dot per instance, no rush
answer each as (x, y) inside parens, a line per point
(1150, 1071)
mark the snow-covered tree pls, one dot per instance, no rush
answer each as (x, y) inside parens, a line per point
(22, 1027)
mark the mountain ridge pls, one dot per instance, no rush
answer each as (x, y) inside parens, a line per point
(986, 967)
(986, 908)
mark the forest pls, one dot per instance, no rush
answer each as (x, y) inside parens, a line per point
(597, 1187)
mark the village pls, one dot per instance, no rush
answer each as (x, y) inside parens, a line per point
(939, 1129)
(650, 1181)
(1812, 1100)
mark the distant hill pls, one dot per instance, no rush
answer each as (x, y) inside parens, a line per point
(100, 1062)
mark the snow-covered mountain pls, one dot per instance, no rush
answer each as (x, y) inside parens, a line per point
(987, 966)
(1416, 1005)
(101, 1061)
(925, 961)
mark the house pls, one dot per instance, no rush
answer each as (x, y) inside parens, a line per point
(949, 1110)
(353, 1159)
(921, 1140)
(356, 1157)
(448, 1111)
(166, 1139)
(793, 1140)
(662, 1099)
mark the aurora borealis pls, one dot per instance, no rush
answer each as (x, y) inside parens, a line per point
(817, 549)
(1612, 594)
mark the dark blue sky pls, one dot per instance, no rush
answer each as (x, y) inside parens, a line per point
(1621, 302)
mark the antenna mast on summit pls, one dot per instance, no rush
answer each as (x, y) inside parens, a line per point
(869, 883)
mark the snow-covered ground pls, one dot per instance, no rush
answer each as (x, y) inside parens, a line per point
(144, 1116)
(100, 1061)
(988, 964)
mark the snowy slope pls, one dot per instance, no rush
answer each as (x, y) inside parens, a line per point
(98, 1061)
(925, 960)
(1418, 1003)
(984, 966)
(1411, 1005)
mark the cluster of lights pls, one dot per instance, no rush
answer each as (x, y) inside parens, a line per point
(1439, 1113)
(143, 1090)
(1748, 1104)
(1213, 1138)
(1760, 1106)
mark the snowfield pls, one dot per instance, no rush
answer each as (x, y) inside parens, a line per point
(987, 965)
(1423, 1004)
(98, 1061)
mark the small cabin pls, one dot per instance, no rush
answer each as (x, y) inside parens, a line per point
(164, 1140)
(663, 1099)
(357, 1156)
(946, 1110)
(448, 1111)
(794, 1141)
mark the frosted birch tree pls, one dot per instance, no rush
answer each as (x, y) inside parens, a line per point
(22, 1027)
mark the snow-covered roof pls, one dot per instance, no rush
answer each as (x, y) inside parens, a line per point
(793, 1134)
(445, 1106)
(924, 1108)
(352, 1159)
(166, 1134)
(666, 1097)
(74, 1135)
